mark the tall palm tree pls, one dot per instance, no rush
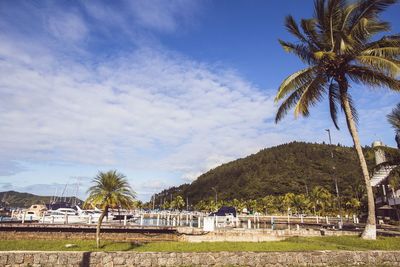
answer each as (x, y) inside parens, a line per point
(337, 45)
(394, 120)
(110, 190)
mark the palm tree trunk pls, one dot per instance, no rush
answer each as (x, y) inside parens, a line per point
(103, 214)
(370, 227)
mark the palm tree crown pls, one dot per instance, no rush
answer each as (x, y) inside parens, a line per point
(337, 47)
(111, 190)
(394, 120)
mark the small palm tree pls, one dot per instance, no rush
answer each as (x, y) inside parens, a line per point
(268, 204)
(337, 46)
(320, 199)
(394, 120)
(110, 190)
(300, 204)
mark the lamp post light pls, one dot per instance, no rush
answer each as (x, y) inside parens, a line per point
(333, 167)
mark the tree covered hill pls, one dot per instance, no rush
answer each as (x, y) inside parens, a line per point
(17, 199)
(296, 167)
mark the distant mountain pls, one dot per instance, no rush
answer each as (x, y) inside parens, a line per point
(295, 167)
(17, 199)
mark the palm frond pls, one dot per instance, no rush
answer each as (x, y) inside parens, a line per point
(293, 28)
(387, 47)
(347, 15)
(293, 82)
(386, 41)
(389, 66)
(394, 117)
(288, 103)
(302, 51)
(385, 52)
(311, 95)
(363, 75)
(367, 28)
(309, 28)
(319, 13)
(334, 19)
(369, 9)
(334, 101)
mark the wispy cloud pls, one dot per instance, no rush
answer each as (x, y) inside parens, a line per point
(109, 113)
(164, 15)
(67, 27)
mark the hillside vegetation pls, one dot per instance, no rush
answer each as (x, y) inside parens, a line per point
(290, 168)
(17, 199)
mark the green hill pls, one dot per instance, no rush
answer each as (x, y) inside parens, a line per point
(17, 199)
(295, 167)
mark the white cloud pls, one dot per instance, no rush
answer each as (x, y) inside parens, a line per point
(164, 15)
(148, 109)
(67, 26)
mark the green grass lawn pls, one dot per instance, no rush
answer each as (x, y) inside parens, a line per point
(292, 244)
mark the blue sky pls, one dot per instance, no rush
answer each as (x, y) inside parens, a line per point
(160, 90)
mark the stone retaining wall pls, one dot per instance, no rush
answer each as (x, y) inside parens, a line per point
(316, 258)
(120, 237)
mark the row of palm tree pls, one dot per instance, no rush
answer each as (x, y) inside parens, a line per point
(339, 45)
(318, 202)
(177, 204)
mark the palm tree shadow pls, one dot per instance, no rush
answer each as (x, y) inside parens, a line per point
(133, 245)
(85, 259)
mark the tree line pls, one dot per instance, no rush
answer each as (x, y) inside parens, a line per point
(319, 201)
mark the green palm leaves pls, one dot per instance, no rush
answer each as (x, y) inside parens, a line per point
(337, 45)
(394, 120)
(394, 117)
(110, 189)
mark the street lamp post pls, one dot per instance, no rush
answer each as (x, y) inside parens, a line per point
(336, 182)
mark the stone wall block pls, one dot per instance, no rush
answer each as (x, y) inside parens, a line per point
(28, 259)
(106, 259)
(74, 258)
(119, 259)
(108, 264)
(52, 258)
(146, 262)
(62, 259)
(196, 259)
(161, 261)
(3, 259)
